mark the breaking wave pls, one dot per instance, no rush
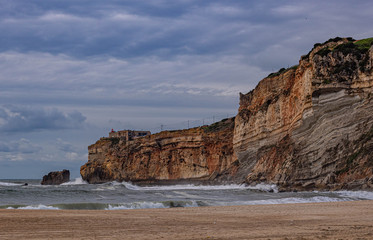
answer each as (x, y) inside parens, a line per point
(166, 204)
(340, 196)
(260, 187)
(6, 184)
(105, 206)
(318, 199)
(264, 187)
(356, 195)
(77, 181)
(35, 207)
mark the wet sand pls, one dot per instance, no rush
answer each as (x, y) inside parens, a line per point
(337, 220)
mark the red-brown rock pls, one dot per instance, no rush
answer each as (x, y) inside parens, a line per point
(56, 178)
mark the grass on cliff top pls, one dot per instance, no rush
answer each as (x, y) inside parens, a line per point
(218, 126)
(352, 46)
(364, 43)
(336, 39)
(282, 70)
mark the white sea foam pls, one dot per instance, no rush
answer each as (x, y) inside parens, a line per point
(10, 184)
(77, 181)
(139, 205)
(316, 199)
(356, 195)
(187, 195)
(262, 187)
(142, 205)
(136, 206)
(115, 183)
(101, 188)
(36, 207)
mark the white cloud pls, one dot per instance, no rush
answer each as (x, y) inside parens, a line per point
(58, 17)
(72, 156)
(289, 10)
(125, 17)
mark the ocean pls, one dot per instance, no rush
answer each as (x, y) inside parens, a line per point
(77, 194)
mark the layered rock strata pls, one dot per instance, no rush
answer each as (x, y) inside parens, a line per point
(196, 154)
(311, 126)
(306, 127)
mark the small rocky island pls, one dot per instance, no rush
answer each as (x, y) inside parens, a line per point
(56, 178)
(306, 127)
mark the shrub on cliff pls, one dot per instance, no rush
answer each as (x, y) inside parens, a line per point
(323, 52)
(282, 70)
(218, 126)
(356, 48)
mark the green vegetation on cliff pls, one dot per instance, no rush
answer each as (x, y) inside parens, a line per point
(282, 70)
(218, 126)
(351, 47)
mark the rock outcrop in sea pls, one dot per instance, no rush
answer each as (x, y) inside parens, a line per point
(306, 127)
(56, 178)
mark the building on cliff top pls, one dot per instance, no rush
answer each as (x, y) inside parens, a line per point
(128, 134)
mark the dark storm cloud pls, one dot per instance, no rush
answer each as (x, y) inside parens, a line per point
(25, 119)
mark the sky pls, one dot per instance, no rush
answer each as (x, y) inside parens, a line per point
(71, 70)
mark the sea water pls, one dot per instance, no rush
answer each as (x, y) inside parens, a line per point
(77, 194)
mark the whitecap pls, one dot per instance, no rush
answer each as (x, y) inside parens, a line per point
(8, 184)
(36, 207)
(106, 188)
(316, 199)
(143, 205)
(262, 187)
(356, 195)
(136, 205)
(77, 181)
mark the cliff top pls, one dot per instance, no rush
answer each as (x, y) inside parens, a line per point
(345, 45)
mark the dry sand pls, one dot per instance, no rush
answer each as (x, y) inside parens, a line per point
(337, 220)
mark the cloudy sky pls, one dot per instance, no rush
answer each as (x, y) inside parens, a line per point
(72, 70)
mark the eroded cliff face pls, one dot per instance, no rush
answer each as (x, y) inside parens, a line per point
(306, 127)
(311, 126)
(195, 154)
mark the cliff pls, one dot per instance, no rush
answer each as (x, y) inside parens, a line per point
(306, 127)
(311, 126)
(195, 154)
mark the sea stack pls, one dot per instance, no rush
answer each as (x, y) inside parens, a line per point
(56, 178)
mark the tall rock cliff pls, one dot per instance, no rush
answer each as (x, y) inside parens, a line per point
(306, 127)
(195, 154)
(311, 126)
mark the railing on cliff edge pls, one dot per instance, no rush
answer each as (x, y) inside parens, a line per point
(187, 124)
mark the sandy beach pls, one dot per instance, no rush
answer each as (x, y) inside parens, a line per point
(337, 220)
